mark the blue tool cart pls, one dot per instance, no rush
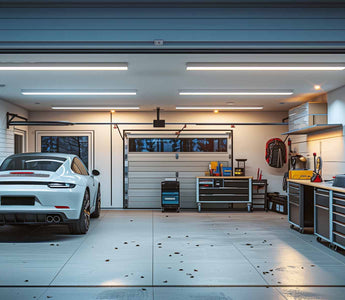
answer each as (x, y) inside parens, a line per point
(170, 194)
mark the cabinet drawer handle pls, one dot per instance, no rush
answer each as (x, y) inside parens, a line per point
(322, 207)
(169, 198)
(339, 199)
(339, 234)
(339, 223)
(339, 205)
(322, 195)
(339, 214)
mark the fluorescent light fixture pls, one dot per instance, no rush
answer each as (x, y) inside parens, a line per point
(235, 93)
(95, 107)
(80, 92)
(64, 67)
(218, 107)
(263, 67)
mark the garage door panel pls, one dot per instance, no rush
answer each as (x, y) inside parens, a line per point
(156, 175)
(147, 193)
(146, 171)
(172, 168)
(183, 157)
(168, 163)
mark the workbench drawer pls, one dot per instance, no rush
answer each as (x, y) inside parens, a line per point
(294, 199)
(294, 187)
(339, 238)
(322, 198)
(230, 197)
(322, 221)
(236, 183)
(339, 208)
(234, 190)
(339, 227)
(294, 213)
(337, 216)
(339, 199)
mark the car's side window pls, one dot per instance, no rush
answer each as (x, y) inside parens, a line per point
(75, 167)
(81, 167)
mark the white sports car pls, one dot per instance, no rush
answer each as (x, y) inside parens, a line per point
(48, 188)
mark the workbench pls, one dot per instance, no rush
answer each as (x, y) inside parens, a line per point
(224, 189)
(327, 204)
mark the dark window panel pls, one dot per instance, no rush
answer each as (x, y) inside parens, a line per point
(178, 145)
(77, 145)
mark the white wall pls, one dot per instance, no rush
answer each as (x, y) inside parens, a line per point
(249, 141)
(330, 145)
(7, 135)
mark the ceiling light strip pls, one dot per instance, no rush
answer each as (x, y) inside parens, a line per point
(65, 67)
(218, 107)
(262, 67)
(80, 92)
(196, 93)
(95, 107)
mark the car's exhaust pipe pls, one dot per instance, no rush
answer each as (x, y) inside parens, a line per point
(57, 219)
(50, 219)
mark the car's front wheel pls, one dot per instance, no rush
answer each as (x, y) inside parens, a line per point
(83, 223)
(97, 211)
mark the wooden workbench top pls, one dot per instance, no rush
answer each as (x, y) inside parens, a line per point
(320, 185)
(227, 177)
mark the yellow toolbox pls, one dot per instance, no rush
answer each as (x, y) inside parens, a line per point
(300, 174)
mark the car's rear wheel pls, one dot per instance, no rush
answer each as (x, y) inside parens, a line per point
(83, 223)
(97, 211)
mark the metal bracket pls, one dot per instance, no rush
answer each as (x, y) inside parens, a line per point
(180, 131)
(10, 117)
(116, 126)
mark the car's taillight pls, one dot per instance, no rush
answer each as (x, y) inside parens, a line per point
(61, 185)
(62, 207)
(21, 173)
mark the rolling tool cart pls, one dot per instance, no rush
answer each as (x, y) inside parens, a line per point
(170, 194)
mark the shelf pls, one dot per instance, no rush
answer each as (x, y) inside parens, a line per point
(312, 129)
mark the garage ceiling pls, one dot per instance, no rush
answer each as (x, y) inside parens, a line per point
(158, 78)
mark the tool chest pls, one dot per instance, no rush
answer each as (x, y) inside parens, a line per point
(224, 190)
(170, 195)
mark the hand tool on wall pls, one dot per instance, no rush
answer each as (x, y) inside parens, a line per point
(317, 169)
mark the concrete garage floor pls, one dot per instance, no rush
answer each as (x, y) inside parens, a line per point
(143, 254)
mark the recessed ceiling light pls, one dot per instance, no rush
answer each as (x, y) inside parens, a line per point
(317, 87)
(235, 93)
(263, 67)
(64, 67)
(218, 107)
(80, 92)
(111, 108)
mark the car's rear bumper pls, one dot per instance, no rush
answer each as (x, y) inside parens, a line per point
(34, 218)
(65, 202)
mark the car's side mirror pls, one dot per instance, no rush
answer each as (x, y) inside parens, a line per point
(95, 172)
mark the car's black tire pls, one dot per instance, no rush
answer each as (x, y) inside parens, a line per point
(83, 223)
(97, 211)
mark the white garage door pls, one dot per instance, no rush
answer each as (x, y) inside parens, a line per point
(152, 159)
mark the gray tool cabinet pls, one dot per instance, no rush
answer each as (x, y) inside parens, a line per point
(330, 217)
(328, 208)
(300, 206)
(224, 190)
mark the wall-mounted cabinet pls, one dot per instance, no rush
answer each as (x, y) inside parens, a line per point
(306, 115)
